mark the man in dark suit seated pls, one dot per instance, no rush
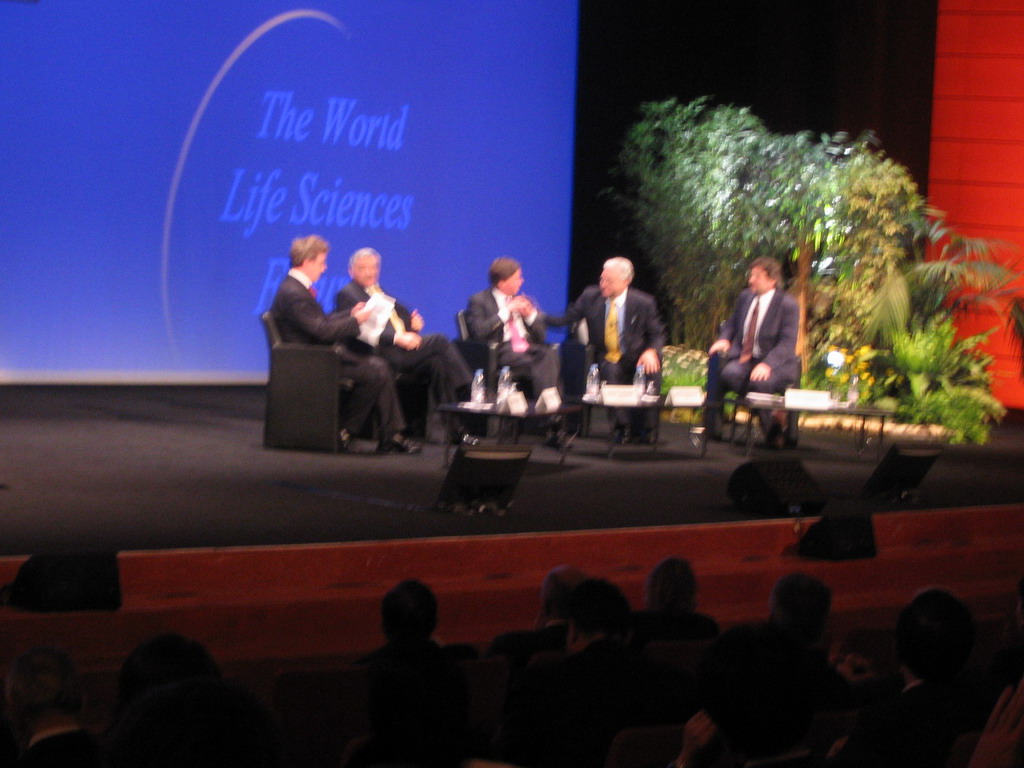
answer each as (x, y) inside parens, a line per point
(758, 344)
(44, 703)
(670, 607)
(551, 626)
(300, 318)
(624, 327)
(399, 340)
(564, 714)
(933, 639)
(502, 314)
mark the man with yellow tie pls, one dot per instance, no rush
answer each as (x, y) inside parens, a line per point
(625, 330)
(399, 340)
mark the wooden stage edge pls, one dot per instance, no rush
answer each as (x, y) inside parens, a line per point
(301, 604)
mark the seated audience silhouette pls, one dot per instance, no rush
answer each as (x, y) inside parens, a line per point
(551, 627)
(799, 608)
(670, 606)
(756, 707)
(934, 638)
(418, 696)
(44, 702)
(565, 713)
(201, 722)
(408, 616)
(163, 659)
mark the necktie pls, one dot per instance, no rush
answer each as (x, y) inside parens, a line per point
(747, 350)
(312, 290)
(611, 334)
(396, 321)
(519, 344)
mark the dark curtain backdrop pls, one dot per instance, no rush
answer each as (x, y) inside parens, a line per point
(819, 65)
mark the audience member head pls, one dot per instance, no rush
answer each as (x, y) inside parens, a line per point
(800, 604)
(753, 685)
(671, 587)
(43, 691)
(934, 636)
(163, 659)
(596, 609)
(202, 722)
(409, 612)
(558, 584)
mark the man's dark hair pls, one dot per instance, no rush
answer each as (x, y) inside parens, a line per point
(754, 687)
(598, 606)
(671, 586)
(771, 267)
(409, 611)
(502, 268)
(800, 605)
(163, 659)
(558, 584)
(935, 635)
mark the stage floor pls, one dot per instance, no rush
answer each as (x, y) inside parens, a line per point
(172, 467)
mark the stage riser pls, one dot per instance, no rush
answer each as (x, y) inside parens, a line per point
(322, 601)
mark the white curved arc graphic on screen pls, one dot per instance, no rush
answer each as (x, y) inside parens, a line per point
(256, 34)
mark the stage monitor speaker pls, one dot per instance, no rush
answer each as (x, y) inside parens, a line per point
(901, 471)
(482, 479)
(775, 489)
(67, 582)
(839, 538)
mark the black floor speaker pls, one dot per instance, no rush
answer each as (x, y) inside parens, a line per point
(839, 538)
(775, 489)
(67, 582)
(482, 479)
(901, 471)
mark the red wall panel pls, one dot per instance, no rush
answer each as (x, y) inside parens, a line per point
(977, 151)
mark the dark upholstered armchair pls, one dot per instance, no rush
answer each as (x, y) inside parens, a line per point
(305, 390)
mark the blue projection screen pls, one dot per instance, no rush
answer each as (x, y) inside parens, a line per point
(158, 157)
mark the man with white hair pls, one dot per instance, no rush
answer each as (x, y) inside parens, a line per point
(625, 330)
(400, 340)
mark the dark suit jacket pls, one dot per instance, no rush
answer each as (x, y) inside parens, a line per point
(301, 319)
(565, 714)
(74, 749)
(353, 293)
(485, 325)
(914, 730)
(641, 330)
(776, 338)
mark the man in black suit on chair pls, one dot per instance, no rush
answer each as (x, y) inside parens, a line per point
(301, 319)
(399, 340)
(758, 343)
(624, 327)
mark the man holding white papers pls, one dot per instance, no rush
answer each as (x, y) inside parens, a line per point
(395, 332)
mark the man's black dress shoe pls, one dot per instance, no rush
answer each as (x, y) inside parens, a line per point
(344, 440)
(776, 437)
(398, 444)
(464, 438)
